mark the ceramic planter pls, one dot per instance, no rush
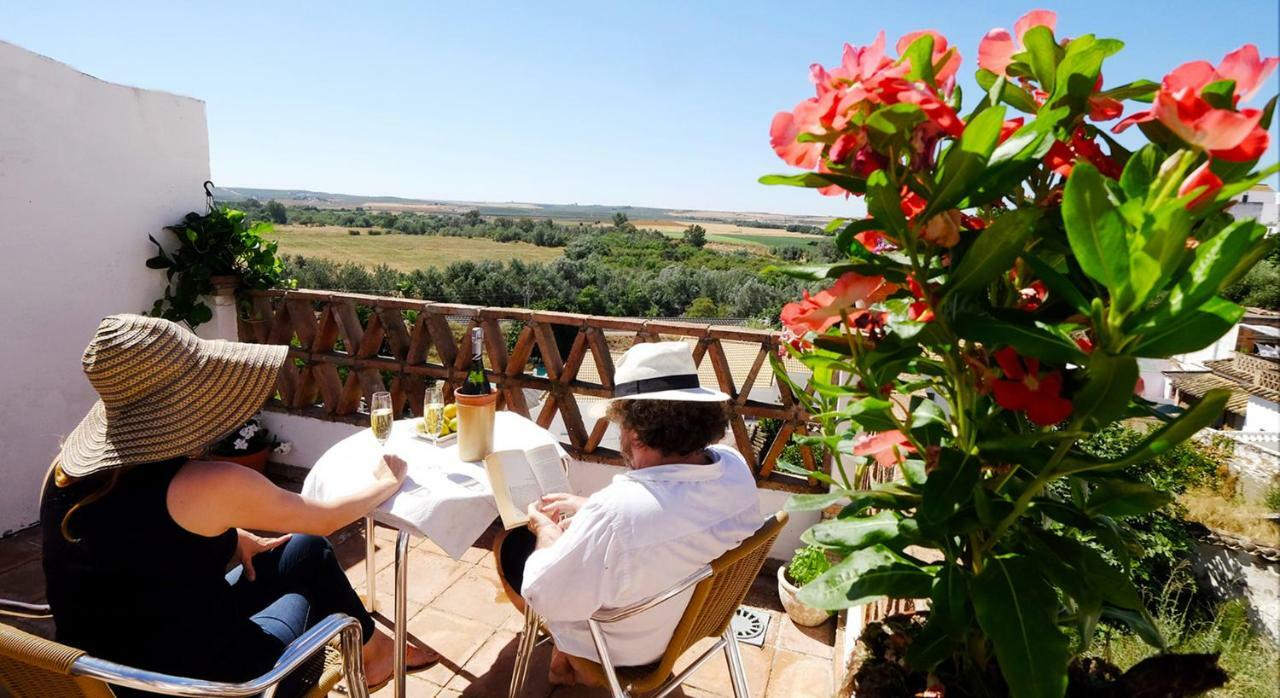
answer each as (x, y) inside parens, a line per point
(800, 613)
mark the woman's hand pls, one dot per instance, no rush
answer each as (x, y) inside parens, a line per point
(248, 545)
(560, 506)
(391, 472)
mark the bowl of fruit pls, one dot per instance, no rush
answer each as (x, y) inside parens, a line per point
(438, 426)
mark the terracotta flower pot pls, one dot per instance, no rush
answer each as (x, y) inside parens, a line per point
(256, 460)
(800, 612)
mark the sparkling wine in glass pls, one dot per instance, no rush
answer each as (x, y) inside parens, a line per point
(380, 417)
(433, 414)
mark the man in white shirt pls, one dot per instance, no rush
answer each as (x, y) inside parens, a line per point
(682, 503)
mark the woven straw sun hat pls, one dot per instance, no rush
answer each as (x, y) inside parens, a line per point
(657, 371)
(164, 393)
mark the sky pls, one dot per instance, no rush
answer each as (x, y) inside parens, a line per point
(651, 103)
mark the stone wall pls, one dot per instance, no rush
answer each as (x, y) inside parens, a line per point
(1235, 568)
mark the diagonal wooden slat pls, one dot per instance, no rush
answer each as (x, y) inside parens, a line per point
(600, 354)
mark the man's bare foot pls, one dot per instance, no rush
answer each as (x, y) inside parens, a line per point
(561, 672)
(379, 657)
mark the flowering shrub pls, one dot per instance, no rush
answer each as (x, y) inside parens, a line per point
(1015, 263)
(251, 437)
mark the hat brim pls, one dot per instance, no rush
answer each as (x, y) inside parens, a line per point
(597, 410)
(229, 384)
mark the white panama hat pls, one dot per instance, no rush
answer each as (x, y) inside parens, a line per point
(657, 371)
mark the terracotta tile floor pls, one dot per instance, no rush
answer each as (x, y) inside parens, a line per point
(457, 607)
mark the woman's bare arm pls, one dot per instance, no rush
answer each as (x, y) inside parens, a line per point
(209, 497)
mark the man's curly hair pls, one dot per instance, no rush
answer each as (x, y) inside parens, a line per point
(673, 427)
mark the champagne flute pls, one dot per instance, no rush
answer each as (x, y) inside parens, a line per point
(380, 417)
(433, 414)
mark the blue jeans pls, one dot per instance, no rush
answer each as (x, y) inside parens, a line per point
(296, 585)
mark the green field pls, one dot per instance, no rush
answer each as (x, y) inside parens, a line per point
(402, 252)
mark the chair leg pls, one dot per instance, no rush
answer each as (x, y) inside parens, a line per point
(737, 673)
(524, 652)
(370, 568)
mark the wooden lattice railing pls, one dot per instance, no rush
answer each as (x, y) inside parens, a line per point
(347, 346)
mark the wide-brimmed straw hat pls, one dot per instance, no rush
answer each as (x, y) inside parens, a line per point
(657, 371)
(164, 393)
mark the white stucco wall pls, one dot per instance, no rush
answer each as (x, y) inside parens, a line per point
(87, 170)
(1261, 415)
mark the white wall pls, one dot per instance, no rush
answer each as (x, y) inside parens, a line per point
(1262, 415)
(1224, 348)
(87, 170)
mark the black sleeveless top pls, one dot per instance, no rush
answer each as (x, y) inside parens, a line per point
(136, 588)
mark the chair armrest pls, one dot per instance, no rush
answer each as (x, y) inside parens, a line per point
(614, 615)
(298, 651)
(22, 609)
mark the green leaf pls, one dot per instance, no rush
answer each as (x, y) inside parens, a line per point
(1017, 609)
(1028, 340)
(1214, 260)
(1079, 69)
(1139, 621)
(950, 617)
(1122, 498)
(1165, 335)
(1110, 386)
(1042, 55)
(817, 180)
(815, 272)
(1220, 94)
(919, 55)
(889, 495)
(872, 413)
(1059, 286)
(1199, 416)
(815, 502)
(994, 251)
(854, 533)
(1140, 171)
(1000, 89)
(1138, 90)
(884, 203)
(1095, 228)
(949, 485)
(864, 576)
(893, 126)
(965, 161)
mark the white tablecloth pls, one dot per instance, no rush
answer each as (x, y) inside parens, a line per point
(443, 498)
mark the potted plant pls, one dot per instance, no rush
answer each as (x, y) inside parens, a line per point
(250, 446)
(1014, 264)
(806, 565)
(217, 250)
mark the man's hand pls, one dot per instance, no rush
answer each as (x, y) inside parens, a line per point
(543, 528)
(559, 507)
(249, 545)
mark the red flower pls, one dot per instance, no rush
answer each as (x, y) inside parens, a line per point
(1062, 156)
(875, 241)
(1103, 108)
(886, 447)
(1033, 296)
(851, 294)
(1202, 180)
(1025, 389)
(998, 47)
(919, 310)
(1223, 130)
(1009, 127)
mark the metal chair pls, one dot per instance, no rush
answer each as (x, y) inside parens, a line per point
(33, 666)
(720, 588)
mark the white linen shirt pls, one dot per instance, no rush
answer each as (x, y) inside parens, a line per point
(637, 537)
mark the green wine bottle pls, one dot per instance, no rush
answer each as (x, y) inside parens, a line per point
(476, 383)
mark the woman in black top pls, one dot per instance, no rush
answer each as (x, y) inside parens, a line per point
(138, 536)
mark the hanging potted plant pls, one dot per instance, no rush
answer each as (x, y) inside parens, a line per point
(1014, 265)
(217, 250)
(806, 565)
(250, 445)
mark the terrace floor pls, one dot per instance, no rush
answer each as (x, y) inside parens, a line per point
(458, 608)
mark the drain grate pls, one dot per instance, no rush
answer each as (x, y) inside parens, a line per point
(750, 626)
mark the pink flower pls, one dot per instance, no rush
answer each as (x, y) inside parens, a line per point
(1225, 132)
(940, 117)
(1202, 180)
(886, 447)
(944, 76)
(851, 294)
(998, 47)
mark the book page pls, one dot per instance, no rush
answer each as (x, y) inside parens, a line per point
(547, 467)
(514, 486)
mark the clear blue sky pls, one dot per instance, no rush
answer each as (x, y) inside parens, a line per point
(647, 103)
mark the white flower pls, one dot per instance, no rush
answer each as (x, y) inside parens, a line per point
(283, 448)
(248, 431)
(241, 444)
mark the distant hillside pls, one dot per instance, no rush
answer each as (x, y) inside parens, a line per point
(591, 212)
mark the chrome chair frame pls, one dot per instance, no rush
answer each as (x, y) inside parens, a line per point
(313, 641)
(728, 642)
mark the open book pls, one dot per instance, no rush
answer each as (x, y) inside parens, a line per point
(520, 478)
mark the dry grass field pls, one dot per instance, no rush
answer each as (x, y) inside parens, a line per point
(401, 252)
(730, 234)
